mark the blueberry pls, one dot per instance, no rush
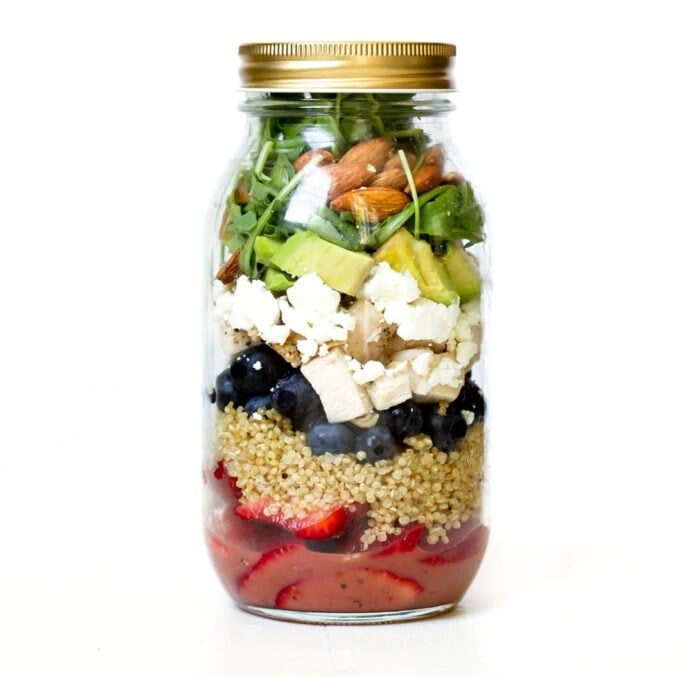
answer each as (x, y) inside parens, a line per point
(445, 431)
(225, 390)
(256, 370)
(336, 438)
(404, 420)
(377, 442)
(294, 397)
(471, 399)
(257, 402)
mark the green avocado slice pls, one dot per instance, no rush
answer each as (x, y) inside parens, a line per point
(464, 272)
(339, 268)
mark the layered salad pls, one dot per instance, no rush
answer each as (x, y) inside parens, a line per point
(345, 473)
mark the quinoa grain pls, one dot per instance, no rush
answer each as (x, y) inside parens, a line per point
(420, 484)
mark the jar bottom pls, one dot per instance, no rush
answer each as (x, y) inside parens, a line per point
(333, 618)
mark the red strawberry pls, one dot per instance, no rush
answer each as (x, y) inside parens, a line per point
(315, 526)
(351, 590)
(221, 474)
(260, 584)
(405, 542)
(264, 561)
(472, 545)
(229, 561)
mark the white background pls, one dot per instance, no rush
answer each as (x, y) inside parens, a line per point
(116, 122)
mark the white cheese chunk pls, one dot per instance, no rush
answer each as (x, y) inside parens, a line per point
(307, 348)
(310, 308)
(422, 320)
(468, 416)
(250, 306)
(310, 290)
(385, 285)
(432, 377)
(369, 372)
(466, 351)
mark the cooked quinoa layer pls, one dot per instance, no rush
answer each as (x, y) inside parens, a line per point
(419, 484)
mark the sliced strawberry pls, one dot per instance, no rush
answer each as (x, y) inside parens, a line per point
(221, 474)
(474, 544)
(405, 542)
(274, 569)
(321, 524)
(314, 526)
(351, 590)
(264, 561)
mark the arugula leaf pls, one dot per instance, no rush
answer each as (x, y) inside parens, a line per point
(454, 215)
(247, 260)
(260, 194)
(244, 223)
(236, 242)
(334, 122)
(281, 173)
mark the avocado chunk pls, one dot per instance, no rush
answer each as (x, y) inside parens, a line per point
(275, 280)
(339, 268)
(435, 283)
(398, 253)
(463, 270)
(403, 253)
(265, 248)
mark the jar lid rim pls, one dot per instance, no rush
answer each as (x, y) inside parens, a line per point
(313, 66)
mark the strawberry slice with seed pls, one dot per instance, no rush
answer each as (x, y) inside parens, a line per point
(407, 541)
(260, 584)
(351, 590)
(473, 544)
(265, 561)
(316, 525)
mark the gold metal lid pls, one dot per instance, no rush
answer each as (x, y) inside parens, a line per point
(344, 66)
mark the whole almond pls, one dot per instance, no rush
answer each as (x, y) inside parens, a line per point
(231, 269)
(301, 161)
(434, 157)
(425, 179)
(371, 205)
(390, 178)
(394, 162)
(372, 152)
(242, 195)
(347, 176)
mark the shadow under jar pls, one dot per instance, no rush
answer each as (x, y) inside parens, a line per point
(345, 439)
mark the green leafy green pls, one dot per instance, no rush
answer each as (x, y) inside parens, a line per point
(454, 215)
(291, 124)
(244, 223)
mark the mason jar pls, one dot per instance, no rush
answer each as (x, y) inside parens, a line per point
(344, 408)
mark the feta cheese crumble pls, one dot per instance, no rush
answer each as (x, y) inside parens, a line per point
(398, 298)
(385, 285)
(310, 309)
(251, 306)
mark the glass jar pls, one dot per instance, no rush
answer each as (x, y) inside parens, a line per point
(344, 412)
